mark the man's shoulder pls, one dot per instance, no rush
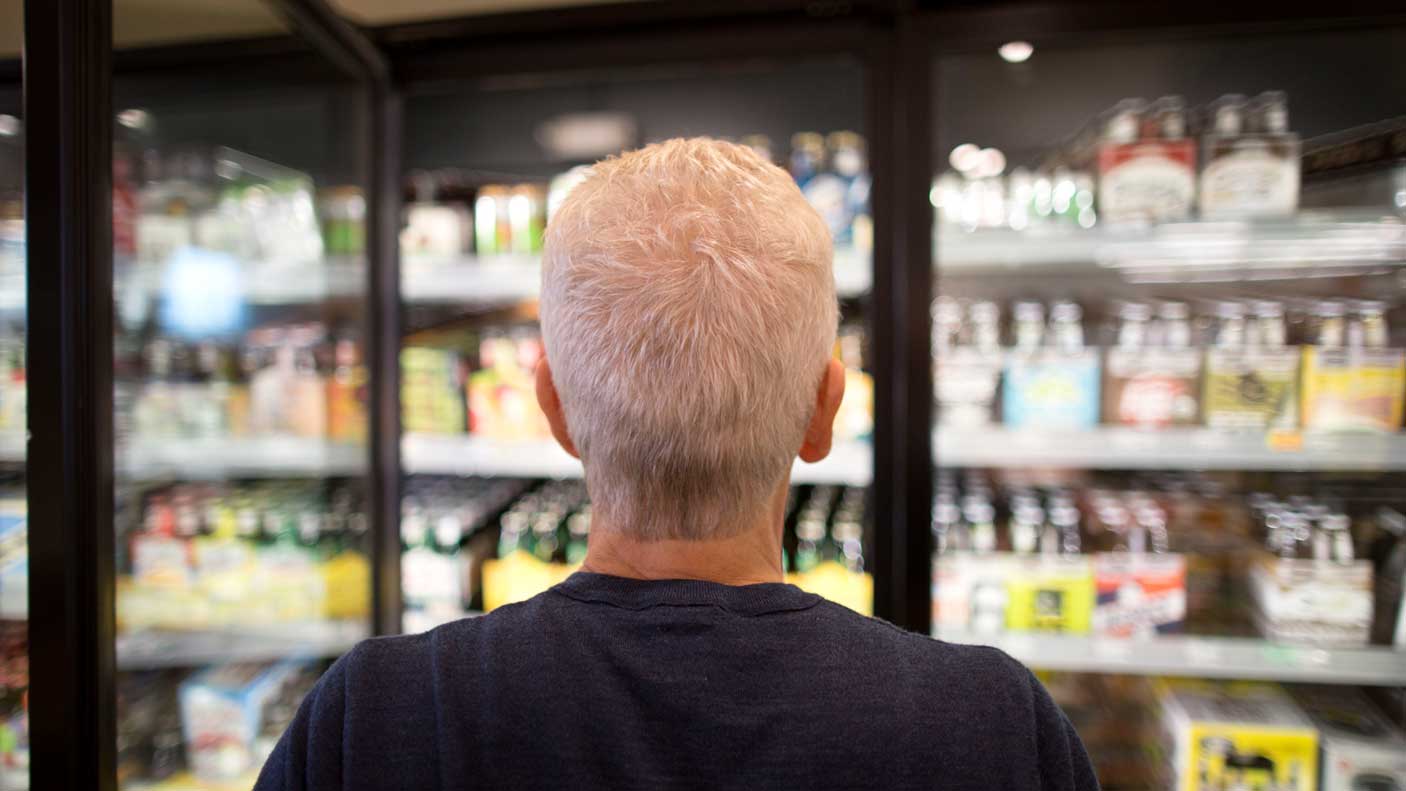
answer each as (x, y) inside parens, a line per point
(922, 654)
(408, 650)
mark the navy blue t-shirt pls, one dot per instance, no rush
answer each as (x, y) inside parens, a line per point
(604, 682)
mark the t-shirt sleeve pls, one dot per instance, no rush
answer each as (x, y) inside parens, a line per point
(309, 754)
(1064, 764)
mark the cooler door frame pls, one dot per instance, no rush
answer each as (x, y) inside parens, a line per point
(650, 34)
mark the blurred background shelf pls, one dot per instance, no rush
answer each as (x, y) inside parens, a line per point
(1200, 657)
(12, 445)
(1168, 449)
(157, 648)
(216, 458)
(505, 279)
(265, 283)
(1336, 244)
(849, 463)
(189, 782)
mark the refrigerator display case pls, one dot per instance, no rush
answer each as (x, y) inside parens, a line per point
(493, 510)
(1169, 376)
(1163, 358)
(242, 531)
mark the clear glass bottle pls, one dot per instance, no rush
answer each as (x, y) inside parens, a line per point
(1066, 326)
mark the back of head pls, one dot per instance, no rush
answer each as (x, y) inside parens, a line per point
(688, 310)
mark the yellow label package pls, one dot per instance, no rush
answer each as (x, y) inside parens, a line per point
(1353, 389)
(1051, 594)
(519, 577)
(1252, 389)
(832, 580)
(1237, 735)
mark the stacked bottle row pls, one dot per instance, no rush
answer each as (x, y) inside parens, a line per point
(1231, 736)
(1166, 554)
(169, 202)
(476, 544)
(279, 380)
(450, 215)
(216, 726)
(481, 381)
(1138, 163)
(1237, 365)
(202, 556)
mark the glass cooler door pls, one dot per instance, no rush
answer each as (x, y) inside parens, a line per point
(14, 523)
(493, 510)
(1170, 370)
(240, 419)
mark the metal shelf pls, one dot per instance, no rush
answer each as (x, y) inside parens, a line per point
(1337, 243)
(269, 283)
(1200, 657)
(152, 649)
(1167, 449)
(259, 457)
(505, 279)
(849, 463)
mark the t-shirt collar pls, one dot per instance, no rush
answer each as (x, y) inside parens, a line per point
(635, 594)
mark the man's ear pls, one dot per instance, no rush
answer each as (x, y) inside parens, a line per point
(551, 406)
(821, 431)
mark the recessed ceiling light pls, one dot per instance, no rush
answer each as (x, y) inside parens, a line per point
(134, 118)
(1016, 51)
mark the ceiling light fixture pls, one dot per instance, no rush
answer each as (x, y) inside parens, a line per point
(1016, 51)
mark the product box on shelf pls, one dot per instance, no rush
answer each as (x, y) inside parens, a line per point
(1152, 388)
(14, 556)
(967, 381)
(832, 580)
(1252, 389)
(1362, 749)
(1250, 170)
(969, 592)
(1354, 388)
(432, 400)
(224, 712)
(1237, 735)
(1139, 595)
(436, 231)
(1147, 181)
(518, 577)
(1309, 600)
(1051, 389)
(1050, 594)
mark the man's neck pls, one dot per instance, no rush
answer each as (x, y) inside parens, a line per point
(745, 558)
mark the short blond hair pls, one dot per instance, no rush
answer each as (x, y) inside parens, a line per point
(688, 310)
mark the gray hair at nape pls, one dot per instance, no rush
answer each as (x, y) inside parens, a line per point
(688, 310)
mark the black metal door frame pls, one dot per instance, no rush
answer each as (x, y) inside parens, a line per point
(354, 53)
(429, 56)
(68, 214)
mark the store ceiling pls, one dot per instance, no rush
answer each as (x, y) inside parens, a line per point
(381, 12)
(143, 23)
